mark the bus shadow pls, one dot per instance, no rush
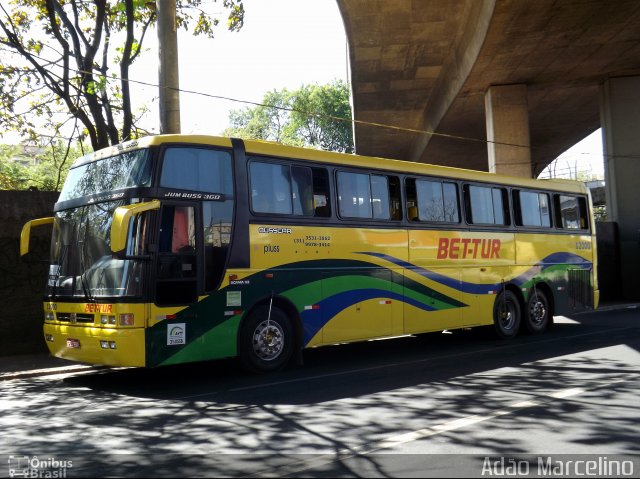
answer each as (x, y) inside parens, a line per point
(359, 369)
(346, 400)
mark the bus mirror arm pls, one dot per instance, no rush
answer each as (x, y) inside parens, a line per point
(120, 224)
(25, 234)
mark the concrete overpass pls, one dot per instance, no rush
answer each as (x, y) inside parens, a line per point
(504, 85)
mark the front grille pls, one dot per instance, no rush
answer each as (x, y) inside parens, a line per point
(75, 318)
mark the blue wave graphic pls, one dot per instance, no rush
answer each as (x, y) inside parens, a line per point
(477, 288)
(315, 319)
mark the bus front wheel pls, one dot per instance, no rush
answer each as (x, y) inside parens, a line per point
(266, 339)
(506, 315)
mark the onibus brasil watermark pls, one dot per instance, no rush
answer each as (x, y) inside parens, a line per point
(34, 466)
(550, 466)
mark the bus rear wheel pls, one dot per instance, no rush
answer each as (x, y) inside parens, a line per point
(506, 315)
(538, 315)
(266, 340)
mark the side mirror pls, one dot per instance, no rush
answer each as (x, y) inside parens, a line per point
(121, 220)
(25, 235)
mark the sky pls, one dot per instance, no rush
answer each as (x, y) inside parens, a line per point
(283, 44)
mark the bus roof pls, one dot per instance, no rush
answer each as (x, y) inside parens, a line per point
(259, 147)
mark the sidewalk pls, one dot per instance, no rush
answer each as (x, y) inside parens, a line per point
(32, 365)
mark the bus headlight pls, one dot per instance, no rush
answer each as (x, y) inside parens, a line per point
(106, 319)
(107, 344)
(49, 316)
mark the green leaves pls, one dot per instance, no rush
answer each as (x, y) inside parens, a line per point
(316, 116)
(82, 48)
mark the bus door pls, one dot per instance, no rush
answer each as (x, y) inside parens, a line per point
(177, 259)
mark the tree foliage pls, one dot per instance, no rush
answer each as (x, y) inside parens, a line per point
(74, 56)
(51, 163)
(316, 116)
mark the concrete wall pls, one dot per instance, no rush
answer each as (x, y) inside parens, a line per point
(22, 283)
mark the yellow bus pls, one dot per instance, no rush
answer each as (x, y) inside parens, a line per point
(176, 248)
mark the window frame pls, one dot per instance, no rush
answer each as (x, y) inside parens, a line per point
(518, 217)
(442, 182)
(506, 205)
(583, 212)
(313, 169)
(393, 181)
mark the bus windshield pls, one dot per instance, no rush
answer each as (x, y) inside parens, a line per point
(126, 170)
(81, 261)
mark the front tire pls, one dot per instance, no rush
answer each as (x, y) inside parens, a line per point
(538, 315)
(506, 315)
(266, 342)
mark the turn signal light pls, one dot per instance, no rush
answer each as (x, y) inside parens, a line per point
(126, 319)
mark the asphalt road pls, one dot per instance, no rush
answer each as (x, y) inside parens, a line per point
(437, 405)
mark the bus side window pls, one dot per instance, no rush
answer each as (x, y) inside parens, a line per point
(177, 231)
(321, 202)
(571, 212)
(412, 208)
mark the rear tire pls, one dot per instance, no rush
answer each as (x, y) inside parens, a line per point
(266, 343)
(506, 315)
(538, 314)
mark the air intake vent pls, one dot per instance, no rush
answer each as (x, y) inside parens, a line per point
(580, 296)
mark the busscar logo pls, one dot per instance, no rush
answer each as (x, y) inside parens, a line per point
(277, 231)
(176, 334)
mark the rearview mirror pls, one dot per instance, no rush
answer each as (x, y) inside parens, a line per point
(25, 234)
(121, 221)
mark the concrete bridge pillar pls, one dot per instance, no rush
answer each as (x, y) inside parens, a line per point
(620, 120)
(507, 118)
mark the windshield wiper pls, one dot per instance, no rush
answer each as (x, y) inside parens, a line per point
(56, 277)
(83, 281)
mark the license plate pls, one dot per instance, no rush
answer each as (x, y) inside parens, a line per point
(73, 343)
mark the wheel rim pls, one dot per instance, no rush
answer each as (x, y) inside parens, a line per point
(507, 316)
(537, 311)
(268, 340)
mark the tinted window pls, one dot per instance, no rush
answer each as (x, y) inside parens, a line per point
(271, 188)
(287, 189)
(361, 195)
(437, 201)
(354, 195)
(533, 209)
(571, 212)
(126, 170)
(197, 169)
(302, 191)
(487, 205)
(380, 197)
